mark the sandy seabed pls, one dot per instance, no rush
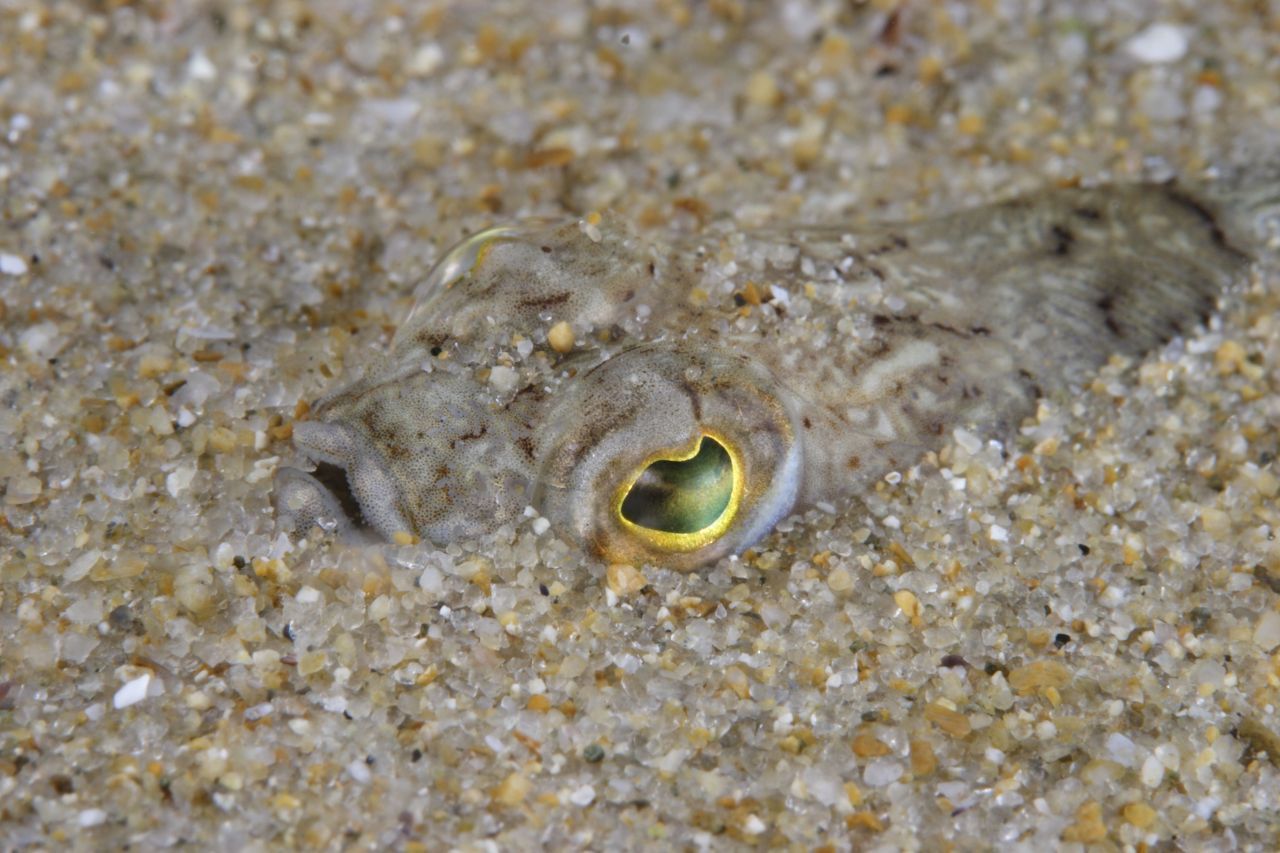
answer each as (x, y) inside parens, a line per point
(210, 211)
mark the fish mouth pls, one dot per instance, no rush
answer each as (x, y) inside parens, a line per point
(354, 475)
(333, 478)
(303, 501)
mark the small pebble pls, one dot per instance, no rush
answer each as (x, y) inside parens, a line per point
(1267, 633)
(308, 595)
(762, 89)
(132, 692)
(560, 337)
(512, 790)
(882, 772)
(923, 758)
(1088, 828)
(908, 603)
(359, 771)
(868, 746)
(200, 68)
(426, 60)
(1152, 772)
(840, 579)
(503, 379)
(1121, 749)
(625, 580)
(41, 341)
(179, 480)
(81, 566)
(1038, 674)
(1140, 815)
(1158, 43)
(22, 490)
(12, 264)
(954, 723)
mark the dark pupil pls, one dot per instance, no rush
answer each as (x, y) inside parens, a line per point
(682, 497)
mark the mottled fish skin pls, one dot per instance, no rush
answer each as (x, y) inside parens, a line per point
(819, 358)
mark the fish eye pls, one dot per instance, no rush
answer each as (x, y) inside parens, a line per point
(683, 501)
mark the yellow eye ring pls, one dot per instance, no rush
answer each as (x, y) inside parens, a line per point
(679, 540)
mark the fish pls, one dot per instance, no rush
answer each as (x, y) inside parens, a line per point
(669, 401)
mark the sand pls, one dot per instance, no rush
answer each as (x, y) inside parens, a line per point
(1067, 636)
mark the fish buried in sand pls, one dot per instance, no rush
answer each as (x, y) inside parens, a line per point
(670, 406)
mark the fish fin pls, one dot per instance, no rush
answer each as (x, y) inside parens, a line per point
(1248, 200)
(1065, 277)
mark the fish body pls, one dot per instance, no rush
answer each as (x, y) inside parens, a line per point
(670, 405)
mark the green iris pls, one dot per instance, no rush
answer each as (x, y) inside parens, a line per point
(682, 496)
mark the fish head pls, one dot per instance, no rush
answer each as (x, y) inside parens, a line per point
(428, 453)
(638, 438)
